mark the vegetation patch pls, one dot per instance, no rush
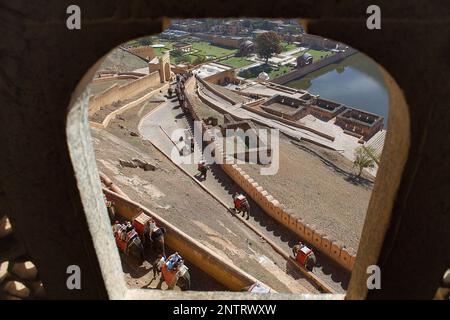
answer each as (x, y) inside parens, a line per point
(236, 62)
(287, 46)
(272, 71)
(208, 49)
(316, 54)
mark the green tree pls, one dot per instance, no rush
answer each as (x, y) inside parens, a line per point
(365, 157)
(176, 53)
(145, 41)
(178, 56)
(268, 44)
(200, 59)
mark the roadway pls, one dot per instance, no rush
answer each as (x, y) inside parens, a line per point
(158, 127)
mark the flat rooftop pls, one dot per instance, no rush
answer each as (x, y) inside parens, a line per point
(210, 69)
(362, 117)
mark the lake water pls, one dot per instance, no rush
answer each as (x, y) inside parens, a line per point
(355, 81)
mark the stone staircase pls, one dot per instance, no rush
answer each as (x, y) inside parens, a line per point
(377, 142)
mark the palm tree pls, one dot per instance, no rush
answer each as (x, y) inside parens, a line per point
(364, 158)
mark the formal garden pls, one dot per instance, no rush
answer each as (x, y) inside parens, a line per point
(316, 54)
(201, 51)
(288, 46)
(272, 71)
(237, 62)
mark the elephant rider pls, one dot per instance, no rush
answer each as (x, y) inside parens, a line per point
(123, 232)
(116, 227)
(202, 168)
(129, 226)
(297, 248)
(125, 229)
(239, 199)
(173, 261)
(151, 228)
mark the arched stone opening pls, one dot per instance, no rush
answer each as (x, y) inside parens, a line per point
(415, 192)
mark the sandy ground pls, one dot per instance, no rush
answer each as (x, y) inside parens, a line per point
(324, 195)
(119, 60)
(174, 196)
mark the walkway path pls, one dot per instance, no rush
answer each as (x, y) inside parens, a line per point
(161, 123)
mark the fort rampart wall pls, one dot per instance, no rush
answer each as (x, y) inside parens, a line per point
(318, 239)
(121, 92)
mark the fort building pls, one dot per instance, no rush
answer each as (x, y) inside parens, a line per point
(162, 65)
(355, 121)
(286, 107)
(325, 109)
(182, 46)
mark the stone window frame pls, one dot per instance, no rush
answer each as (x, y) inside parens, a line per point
(383, 222)
(78, 132)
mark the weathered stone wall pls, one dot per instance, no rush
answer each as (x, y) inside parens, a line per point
(126, 107)
(216, 92)
(105, 78)
(251, 107)
(314, 41)
(145, 52)
(116, 92)
(308, 233)
(323, 113)
(204, 258)
(353, 126)
(221, 77)
(221, 41)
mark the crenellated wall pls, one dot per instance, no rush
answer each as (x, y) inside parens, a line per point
(308, 233)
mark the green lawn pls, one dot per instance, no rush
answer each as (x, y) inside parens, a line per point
(167, 44)
(185, 58)
(273, 72)
(160, 51)
(199, 48)
(276, 72)
(287, 47)
(207, 49)
(236, 62)
(317, 54)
